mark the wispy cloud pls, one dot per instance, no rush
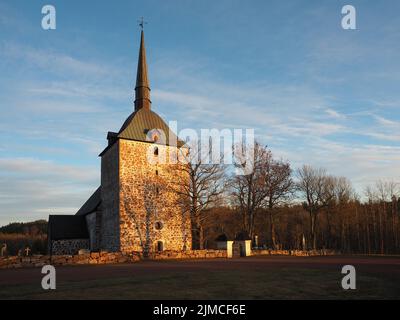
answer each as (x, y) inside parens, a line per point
(387, 123)
(294, 122)
(334, 114)
(34, 188)
(53, 61)
(326, 97)
(36, 169)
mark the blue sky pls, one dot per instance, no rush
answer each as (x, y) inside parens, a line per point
(315, 93)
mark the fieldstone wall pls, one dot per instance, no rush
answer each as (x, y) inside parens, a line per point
(91, 225)
(61, 247)
(105, 258)
(189, 254)
(119, 257)
(110, 233)
(92, 258)
(150, 217)
(93, 222)
(300, 253)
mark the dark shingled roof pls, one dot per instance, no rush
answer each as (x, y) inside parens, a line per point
(91, 204)
(140, 122)
(62, 227)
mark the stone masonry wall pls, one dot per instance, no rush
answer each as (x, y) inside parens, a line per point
(91, 225)
(105, 258)
(41, 260)
(189, 254)
(110, 232)
(147, 201)
(119, 257)
(299, 253)
(60, 247)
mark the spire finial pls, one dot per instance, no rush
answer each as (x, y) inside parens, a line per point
(142, 23)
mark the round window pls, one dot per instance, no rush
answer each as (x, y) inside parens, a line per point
(158, 225)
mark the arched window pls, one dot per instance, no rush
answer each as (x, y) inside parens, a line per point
(156, 151)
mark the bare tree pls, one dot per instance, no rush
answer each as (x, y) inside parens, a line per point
(279, 189)
(317, 188)
(343, 191)
(201, 190)
(384, 191)
(249, 191)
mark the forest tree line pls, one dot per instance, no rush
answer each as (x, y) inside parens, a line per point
(18, 236)
(274, 205)
(282, 208)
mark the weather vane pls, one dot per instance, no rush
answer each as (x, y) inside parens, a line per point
(142, 22)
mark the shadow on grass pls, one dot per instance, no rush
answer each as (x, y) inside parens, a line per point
(222, 284)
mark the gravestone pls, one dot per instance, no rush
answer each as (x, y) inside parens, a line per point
(27, 251)
(4, 250)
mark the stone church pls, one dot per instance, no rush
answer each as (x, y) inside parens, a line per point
(136, 207)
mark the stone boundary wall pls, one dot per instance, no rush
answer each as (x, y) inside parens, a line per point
(90, 258)
(188, 254)
(104, 258)
(298, 253)
(118, 257)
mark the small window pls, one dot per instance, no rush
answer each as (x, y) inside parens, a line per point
(158, 225)
(156, 172)
(156, 151)
(157, 190)
(160, 246)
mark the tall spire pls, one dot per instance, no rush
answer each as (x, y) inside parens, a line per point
(142, 89)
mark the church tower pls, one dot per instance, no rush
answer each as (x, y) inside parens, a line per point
(139, 208)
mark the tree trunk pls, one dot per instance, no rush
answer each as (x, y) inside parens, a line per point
(381, 229)
(272, 229)
(250, 224)
(197, 234)
(201, 237)
(359, 247)
(313, 239)
(329, 242)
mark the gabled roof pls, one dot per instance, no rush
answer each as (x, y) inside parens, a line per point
(91, 204)
(64, 227)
